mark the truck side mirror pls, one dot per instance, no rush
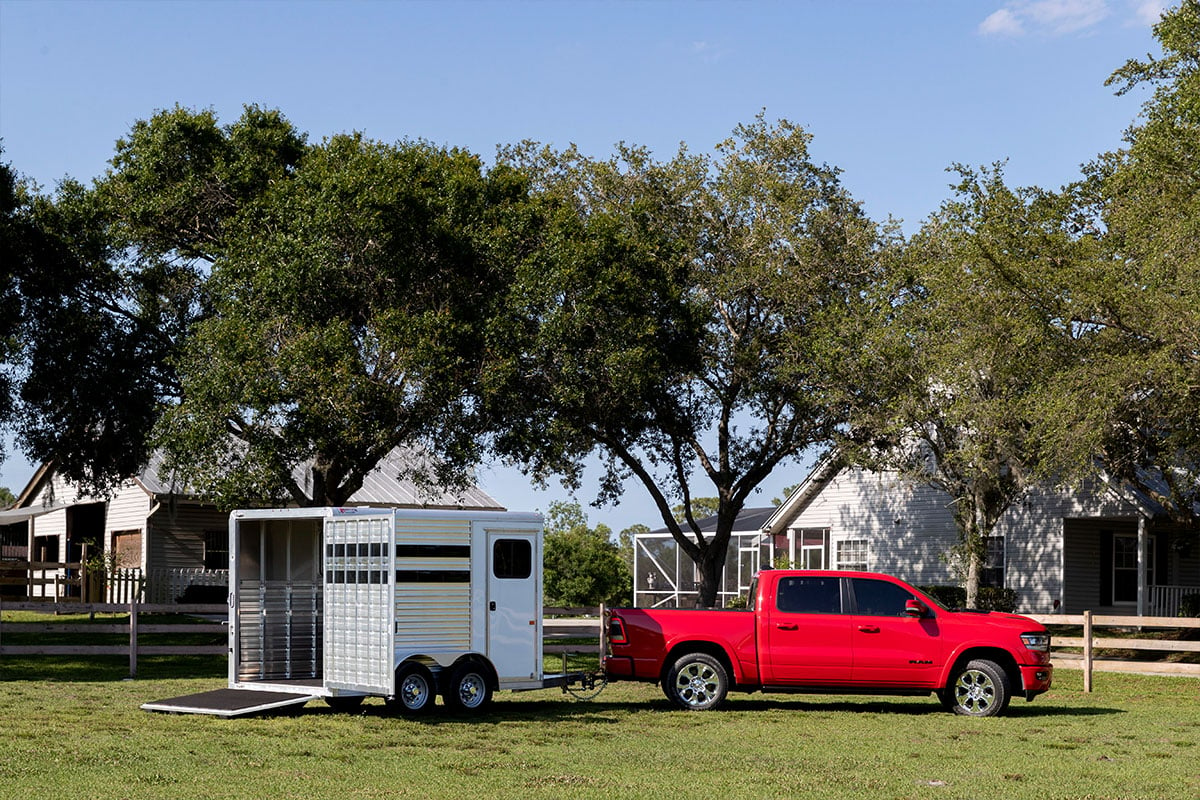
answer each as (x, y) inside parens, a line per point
(915, 608)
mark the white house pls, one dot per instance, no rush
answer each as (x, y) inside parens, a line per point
(1108, 549)
(164, 533)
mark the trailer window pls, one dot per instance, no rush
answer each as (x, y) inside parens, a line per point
(512, 558)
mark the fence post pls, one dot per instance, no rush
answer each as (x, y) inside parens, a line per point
(133, 615)
(1087, 651)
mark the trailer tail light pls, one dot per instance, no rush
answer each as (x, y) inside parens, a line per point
(616, 631)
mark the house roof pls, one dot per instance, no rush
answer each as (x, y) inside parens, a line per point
(385, 486)
(822, 473)
(749, 520)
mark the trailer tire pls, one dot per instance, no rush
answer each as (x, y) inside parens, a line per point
(415, 689)
(696, 682)
(468, 690)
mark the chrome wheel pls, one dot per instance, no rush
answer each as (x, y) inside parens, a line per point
(467, 689)
(472, 690)
(980, 690)
(974, 692)
(698, 682)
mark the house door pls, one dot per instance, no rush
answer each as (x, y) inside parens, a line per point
(1125, 567)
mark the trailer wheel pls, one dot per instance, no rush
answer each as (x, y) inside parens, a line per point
(345, 704)
(468, 688)
(415, 689)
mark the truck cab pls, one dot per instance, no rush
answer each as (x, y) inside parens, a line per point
(834, 631)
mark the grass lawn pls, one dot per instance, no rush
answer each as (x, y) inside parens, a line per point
(74, 730)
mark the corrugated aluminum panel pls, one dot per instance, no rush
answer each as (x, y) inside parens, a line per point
(433, 607)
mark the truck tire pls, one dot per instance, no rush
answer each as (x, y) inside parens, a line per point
(696, 682)
(979, 689)
(467, 689)
(415, 689)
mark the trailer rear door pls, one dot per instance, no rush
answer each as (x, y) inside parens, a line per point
(360, 586)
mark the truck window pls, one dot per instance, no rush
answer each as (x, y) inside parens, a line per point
(809, 595)
(879, 598)
(512, 558)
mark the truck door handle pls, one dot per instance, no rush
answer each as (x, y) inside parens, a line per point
(492, 606)
(869, 628)
(792, 627)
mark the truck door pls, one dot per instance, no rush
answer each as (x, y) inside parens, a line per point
(890, 647)
(514, 608)
(806, 637)
(359, 589)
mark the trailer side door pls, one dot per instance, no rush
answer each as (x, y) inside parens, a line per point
(360, 585)
(514, 607)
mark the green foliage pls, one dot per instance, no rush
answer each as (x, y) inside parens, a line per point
(680, 318)
(991, 598)
(7, 498)
(347, 313)
(1189, 605)
(582, 565)
(1131, 396)
(700, 508)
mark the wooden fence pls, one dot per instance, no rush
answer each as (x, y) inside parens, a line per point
(584, 634)
(1089, 643)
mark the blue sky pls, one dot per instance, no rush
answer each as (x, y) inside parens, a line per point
(893, 92)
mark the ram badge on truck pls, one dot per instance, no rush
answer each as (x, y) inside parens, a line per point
(830, 631)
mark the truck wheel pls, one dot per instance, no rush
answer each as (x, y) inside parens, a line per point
(415, 689)
(980, 689)
(696, 682)
(468, 689)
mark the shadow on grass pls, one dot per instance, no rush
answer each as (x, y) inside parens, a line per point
(600, 711)
(100, 669)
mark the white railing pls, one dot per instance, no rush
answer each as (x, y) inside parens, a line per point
(1166, 600)
(124, 585)
(168, 585)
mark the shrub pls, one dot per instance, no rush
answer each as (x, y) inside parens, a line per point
(990, 598)
(1189, 605)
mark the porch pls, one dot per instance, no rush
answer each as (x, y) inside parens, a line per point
(1127, 567)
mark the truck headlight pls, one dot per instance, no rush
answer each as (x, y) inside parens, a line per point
(1037, 641)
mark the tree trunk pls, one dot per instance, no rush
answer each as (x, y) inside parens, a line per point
(710, 578)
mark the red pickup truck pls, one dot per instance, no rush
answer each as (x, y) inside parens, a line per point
(843, 632)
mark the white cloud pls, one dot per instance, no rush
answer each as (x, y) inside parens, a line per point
(1047, 17)
(1147, 12)
(1001, 23)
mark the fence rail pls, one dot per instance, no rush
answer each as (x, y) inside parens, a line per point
(1089, 642)
(577, 634)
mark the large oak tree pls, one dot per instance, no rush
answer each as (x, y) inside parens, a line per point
(680, 318)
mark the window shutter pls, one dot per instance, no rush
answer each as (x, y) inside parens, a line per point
(1106, 567)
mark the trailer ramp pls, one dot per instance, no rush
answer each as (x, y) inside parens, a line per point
(231, 702)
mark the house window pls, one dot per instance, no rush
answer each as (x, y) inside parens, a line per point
(1125, 567)
(216, 549)
(127, 549)
(993, 562)
(852, 554)
(813, 548)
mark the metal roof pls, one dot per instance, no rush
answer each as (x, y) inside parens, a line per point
(388, 484)
(749, 520)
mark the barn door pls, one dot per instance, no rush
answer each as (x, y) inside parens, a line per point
(359, 640)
